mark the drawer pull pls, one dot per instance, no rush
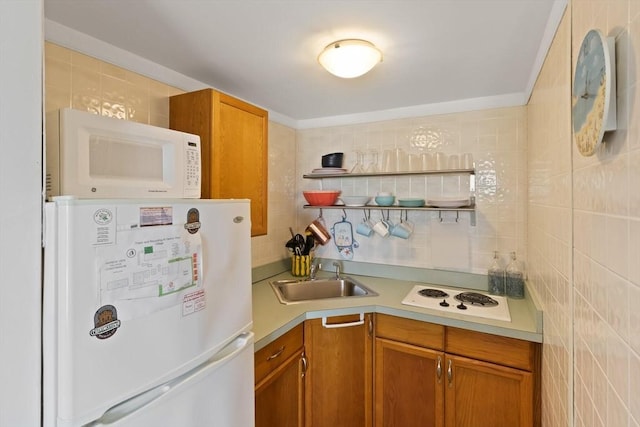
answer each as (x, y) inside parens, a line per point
(276, 354)
(343, 325)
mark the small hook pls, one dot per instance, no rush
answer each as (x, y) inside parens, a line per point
(344, 215)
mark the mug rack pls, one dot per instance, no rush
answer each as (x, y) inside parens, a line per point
(471, 208)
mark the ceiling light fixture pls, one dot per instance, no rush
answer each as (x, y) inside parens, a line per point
(349, 58)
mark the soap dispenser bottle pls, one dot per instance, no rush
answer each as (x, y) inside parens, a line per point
(496, 276)
(515, 279)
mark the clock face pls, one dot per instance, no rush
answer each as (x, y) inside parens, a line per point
(591, 93)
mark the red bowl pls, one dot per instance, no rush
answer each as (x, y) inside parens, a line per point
(321, 197)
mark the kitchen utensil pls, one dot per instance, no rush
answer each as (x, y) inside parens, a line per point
(449, 202)
(355, 200)
(319, 231)
(403, 229)
(308, 244)
(411, 203)
(321, 197)
(365, 228)
(454, 162)
(332, 160)
(467, 161)
(441, 161)
(359, 166)
(382, 227)
(389, 161)
(296, 244)
(343, 237)
(384, 200)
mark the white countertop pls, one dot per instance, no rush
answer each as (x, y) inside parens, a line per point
(271, 319)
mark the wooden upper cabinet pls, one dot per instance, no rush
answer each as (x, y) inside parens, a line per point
(234, 143)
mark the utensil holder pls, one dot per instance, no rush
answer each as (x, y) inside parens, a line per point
(301, 265)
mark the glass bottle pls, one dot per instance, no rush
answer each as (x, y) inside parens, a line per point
(515, 279)
(496, 276)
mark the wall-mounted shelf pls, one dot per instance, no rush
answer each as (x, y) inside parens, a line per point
(471, 209)
(384, 174)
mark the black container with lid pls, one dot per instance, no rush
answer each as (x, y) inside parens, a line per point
(332, 160)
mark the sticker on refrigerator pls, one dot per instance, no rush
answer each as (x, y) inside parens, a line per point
(149, 269)
(193, 302)
(104, 227)
(105, 322)
(193, 221)
(156, 216)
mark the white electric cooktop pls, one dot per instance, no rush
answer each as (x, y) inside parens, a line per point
(468, 303)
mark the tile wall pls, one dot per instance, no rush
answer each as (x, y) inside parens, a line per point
(75, 80)
(496, 139)
(606, 235)
(78, 81)
(589, 280)
(550, 224)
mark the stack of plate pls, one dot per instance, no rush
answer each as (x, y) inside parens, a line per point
(449, 202)
(328, 171)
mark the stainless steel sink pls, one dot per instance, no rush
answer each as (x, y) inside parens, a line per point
(293, 291)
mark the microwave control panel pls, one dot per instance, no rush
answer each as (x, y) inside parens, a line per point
(192, 168)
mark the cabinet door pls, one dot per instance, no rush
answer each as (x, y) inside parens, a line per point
(234, 145)
(338, 387)
(240, 156)
(481, 394)
(408, 385)
(279, 398)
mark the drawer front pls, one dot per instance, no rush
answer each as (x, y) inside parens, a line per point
(491, 348)
(410, 331)
(277, 352)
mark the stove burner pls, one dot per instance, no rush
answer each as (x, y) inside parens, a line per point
(433, 293)
(477, 299)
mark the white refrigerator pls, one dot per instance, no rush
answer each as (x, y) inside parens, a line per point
(147, 313)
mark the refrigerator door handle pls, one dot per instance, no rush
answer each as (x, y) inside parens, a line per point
(135, 403)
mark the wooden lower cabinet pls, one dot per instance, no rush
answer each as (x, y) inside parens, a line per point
(338, 387)
(279, 389)
(408, 385)
(471, 379)
(480, 394)
(425, 375)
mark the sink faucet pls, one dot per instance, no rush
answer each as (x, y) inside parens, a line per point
(336, 264)
(315, 266)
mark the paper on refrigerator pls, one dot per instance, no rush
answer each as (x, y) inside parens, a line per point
(149, 269)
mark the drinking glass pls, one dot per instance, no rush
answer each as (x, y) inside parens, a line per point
(373, 162)
(359, 166)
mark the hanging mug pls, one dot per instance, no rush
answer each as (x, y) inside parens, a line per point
(319, 231)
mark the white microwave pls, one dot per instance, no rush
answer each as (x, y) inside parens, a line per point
(92, 156)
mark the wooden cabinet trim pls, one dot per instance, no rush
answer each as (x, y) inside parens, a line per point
(410, 331)
(491, 348)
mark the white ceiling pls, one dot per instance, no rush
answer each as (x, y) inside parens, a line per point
(439, 55)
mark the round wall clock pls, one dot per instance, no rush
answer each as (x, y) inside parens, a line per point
(593, 108)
